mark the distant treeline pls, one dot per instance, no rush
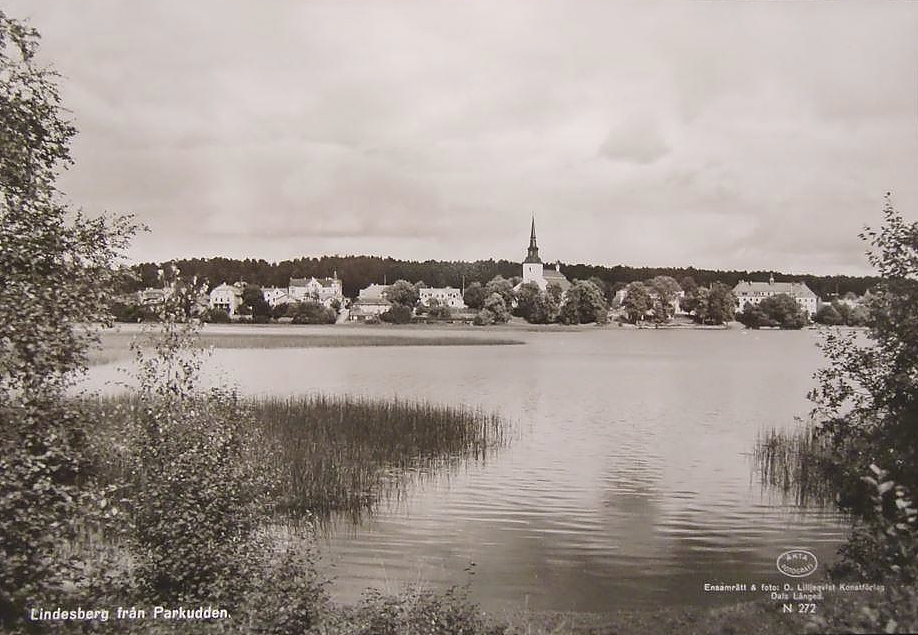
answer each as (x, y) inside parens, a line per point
(357, 272)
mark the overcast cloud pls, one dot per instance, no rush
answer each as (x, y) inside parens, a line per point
(753, 135)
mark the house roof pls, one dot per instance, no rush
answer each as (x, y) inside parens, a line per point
(232, 287)
(793, 289)
(373, 292)
(432, 290)
(302, 282)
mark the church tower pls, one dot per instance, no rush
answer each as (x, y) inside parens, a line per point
(532, 266)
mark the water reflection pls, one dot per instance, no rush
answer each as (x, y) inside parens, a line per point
(629, 481)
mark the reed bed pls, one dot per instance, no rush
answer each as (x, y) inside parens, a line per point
(329, 454)
(343, 454)
(789, 462)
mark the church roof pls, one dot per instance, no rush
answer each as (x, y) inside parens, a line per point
(553, 276)
(532, 254)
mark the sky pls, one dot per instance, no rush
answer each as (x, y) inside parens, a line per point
(726, 135)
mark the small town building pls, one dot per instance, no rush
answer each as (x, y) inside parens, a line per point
(535, 271)
(370, 302)
(321, 290)
(444, 296)
(754, 292)
(275, 295)
(227, 297)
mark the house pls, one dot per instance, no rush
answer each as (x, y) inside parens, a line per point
(322, 290)
(535, 271)
(226, 297)
(275, 295)
(445, 296)
(370, 303)
(755, 292)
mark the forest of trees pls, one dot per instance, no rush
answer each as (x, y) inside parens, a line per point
(357, 272)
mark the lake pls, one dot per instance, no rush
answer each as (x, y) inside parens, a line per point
(628, 481)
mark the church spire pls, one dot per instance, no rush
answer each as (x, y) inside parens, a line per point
(533, 253)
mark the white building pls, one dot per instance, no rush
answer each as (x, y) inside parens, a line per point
(445, 296)
(755, 292)
(322, 290)
(227, 297)
(370, 302)
(275, 295)
(535, 271)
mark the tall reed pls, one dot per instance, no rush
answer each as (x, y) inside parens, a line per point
(342, 454)
(790, 462)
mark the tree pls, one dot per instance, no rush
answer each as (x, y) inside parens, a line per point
(829, 315)
(783, 310)
(843, 310)
(721, 304)
(502, 287)
(866, 412)
(253, 298)
(637, 302)
(495, 306)
(688, 285)
(403, 293)
(753, 317)
(584, 304)
(57, 283)
(534, 305)
(665, 292)
(858, 316)
(530, 303)
(604, 287)
(474, 296)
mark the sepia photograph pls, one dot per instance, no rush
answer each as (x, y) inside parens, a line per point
(391, 317)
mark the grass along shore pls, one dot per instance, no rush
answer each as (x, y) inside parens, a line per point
(333, 454)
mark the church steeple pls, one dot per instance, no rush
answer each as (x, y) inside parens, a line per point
(533, 254)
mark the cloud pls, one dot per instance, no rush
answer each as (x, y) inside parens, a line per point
(637, 133)
(636, 140)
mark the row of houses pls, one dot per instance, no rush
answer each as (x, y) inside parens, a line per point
(371, 301)
(325, 291)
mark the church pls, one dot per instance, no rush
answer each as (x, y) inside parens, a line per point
(535, 271)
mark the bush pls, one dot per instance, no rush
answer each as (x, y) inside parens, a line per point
(397, 314)
(421, 612)
(216, 316)
(313, 313)
(829, 315)
(440, 312)
(496, 306)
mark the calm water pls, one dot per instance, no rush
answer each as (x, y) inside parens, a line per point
(628, 482)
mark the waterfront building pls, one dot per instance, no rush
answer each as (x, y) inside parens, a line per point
(754, 292)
